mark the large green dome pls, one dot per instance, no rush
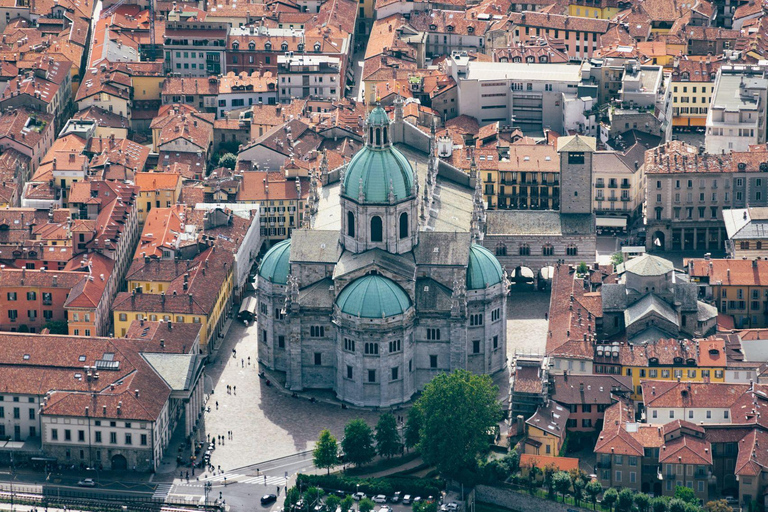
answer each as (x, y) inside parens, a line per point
(378, 166)
(373, 297)
(276, 266)
(483, 269)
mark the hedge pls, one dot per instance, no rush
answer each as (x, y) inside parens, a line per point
(372, 486)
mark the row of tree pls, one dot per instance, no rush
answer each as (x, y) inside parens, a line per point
(451, 424)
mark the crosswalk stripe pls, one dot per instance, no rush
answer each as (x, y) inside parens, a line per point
(271, 480)
(162, 490)
(220, 478)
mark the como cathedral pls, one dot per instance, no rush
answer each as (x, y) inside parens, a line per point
(385, 286)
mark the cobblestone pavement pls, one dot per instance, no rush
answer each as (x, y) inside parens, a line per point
(526, 326)
(266, 423)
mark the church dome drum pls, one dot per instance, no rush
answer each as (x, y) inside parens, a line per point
(276, 266)
(483, 269)
(373, 297)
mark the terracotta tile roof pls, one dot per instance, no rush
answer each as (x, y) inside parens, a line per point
(103, 80)
(162, 228)
(543, 461)
(445, 22)
(570, 320)
(24, 126)
(693, 395)
(551, 418)
(206, 275)
(89, 291)
(117, 159)
(163, 337)
(103, 118)
(528, 379)
(615, 439)
(195, 127)
(186, 85)
(588, 389)
(190, 165)
(678, 157)
(731, 272)
(560, 22)
(192, 194)
(686, 449)
(115, 201)
(253, 188)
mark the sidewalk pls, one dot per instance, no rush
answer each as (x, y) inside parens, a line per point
(411, 464)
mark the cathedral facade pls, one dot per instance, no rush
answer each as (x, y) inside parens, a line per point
(384, 287)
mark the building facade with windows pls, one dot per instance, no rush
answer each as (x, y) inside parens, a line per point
(376, 296)
(195, 48)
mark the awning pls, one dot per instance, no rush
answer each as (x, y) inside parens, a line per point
(249, 305)
(611, 222)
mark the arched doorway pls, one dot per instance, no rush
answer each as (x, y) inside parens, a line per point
(658, 240)
(119, 462)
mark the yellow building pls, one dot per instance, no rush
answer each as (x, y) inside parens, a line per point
(545, 430)
(195, 291)
(693, 82)
(147, 80)
(667, 359)
(601, 9)
(736, 286)
(157, 190)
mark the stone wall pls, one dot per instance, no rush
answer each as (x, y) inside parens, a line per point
(520, 502)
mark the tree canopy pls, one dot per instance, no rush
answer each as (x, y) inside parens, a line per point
(388, 442)
(326, 454)
(358, 443)
(459, 410)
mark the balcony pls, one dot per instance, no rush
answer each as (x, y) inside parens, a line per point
(625, 185)
(613, 184)
(599, 184)
(625, 199)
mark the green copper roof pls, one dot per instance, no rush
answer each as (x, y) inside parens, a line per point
(276, 265)
(378, 117)
(378, 168)
(483, 269)
(373, 297)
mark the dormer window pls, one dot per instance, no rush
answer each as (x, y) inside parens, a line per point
(543, 59)
(433, 27)
(284, 46)
(301, 47)
(317, 47)
(517, 59)
(450, 28)
(268, 46)
(252, 46)
(471, 30)
(685, 76)
(235, 46)
(529, 59)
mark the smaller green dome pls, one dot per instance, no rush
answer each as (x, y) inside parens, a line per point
(378, 117)
(483, 269)
(379, 171)
(373, 297)
(276, 265)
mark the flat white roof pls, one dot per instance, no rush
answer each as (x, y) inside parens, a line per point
(523, 71)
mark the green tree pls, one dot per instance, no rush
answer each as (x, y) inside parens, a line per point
(582, 268)
(642, 501)
(533, 473)
(593, 490)
(23, 328)
(332, 502)
(388, 442)
(366, 505)
(686, 494)
(459, 409)
(691, 507)
(358, 443)
(659, 505)
(313, 495)
(326, 454)
(347, 503)
(718, 506)
(610, 496)
(57, 327)
(292, 495)
(228, 160)
(578, 485)
(413, 427)
(549, 473)
(625, 500)
(511, 462)
(425, 506)
(617, 259)
(676, 505)
(561, 481)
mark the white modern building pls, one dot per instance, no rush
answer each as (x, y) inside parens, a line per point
(533, 97)
(736, 117)
(304, 76)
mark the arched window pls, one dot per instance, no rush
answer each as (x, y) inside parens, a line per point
(252, 46)
(268, 46)
(235, 46)
(501, 250)
(378, 136)
(403, 225)
(284, 46)
(350, 224)
(384, 138)
(376, 229)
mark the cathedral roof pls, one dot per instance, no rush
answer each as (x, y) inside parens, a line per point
(275, 266)
(378, 169)
(483, 269)
(373, 296)
(648, 265)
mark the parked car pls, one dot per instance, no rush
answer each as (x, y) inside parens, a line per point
(359, 496)
(416, 499)
(385, 508)
(379, 498)
(395, 498)
(299, 505)
(319, 507)
(407, 499)
(268, 498)
(87, 482)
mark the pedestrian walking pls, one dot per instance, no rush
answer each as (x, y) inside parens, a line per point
(265, 479)
(242, 363)
(234, 388)
(249, 360)
(217, 405)
(278, 490)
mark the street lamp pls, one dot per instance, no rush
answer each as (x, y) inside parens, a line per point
(207, 488)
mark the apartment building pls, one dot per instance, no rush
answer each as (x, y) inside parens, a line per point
(736, 117)
(687, 190)
(644, 101)
(305, 76)
(619, 179)
(449, 31)
(532, 97)
(195, 48)
(747, 230)
(157, 190)
(693, 83)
